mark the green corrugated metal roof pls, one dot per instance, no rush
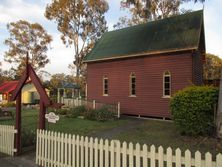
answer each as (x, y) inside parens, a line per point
(171, 34)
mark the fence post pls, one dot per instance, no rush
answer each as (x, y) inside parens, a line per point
(18, 124)
(94, 104)
(118, 110)
(76, 102)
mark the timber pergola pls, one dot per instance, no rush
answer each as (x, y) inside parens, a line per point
(44, 101)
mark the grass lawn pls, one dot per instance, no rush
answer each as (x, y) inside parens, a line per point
(66, 125)
(82, 126)
(165, 134)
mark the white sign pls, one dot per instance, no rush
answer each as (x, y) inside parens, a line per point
(51, 117)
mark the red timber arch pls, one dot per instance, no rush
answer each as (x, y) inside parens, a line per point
(44, 101)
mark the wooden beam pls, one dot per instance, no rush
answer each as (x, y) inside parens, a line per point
(18, 124)
(42, 115)
(19, 86)
(38, 86)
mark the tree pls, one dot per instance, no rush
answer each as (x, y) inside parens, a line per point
(212, 67)
(143, 11)
(5, 75)
(26, 38)
(81, 23)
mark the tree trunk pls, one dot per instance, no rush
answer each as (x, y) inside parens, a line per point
(77, 71)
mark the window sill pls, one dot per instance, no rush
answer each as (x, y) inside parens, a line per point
(166, 97)
(132, 96)
(105, 95)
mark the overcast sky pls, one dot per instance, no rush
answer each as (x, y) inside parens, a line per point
(61, 56)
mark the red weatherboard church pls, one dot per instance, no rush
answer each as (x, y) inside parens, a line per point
(143, 66)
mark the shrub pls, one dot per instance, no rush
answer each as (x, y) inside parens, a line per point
(77, 111)
(90, 114)
(103, 114)
(60, 111)
(192, 109)
(8, 104)
(28, 137)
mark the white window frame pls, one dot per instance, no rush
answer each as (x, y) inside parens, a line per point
(166, 74)
(105, 78)
(132, 75)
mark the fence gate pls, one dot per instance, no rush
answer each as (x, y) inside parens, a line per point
(7, 136)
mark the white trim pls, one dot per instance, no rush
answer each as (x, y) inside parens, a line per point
(166, 75)
(132, 75)
(104, 78)
(141, 54)
(166, 97)
(132, 96)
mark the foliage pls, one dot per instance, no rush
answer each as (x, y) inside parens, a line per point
(212, 67)
(143, 11)
(81, 23)
(90, 114)
(26, 38)
(60, 111)
(28, 137)
(77, 111)
(57, 80)
(193, 109)
(103, 114)
(6, 75)
(8, 104)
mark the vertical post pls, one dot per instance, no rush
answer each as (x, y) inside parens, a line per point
(42, 115)
(219, 111)
(18, 124)
(64, 93)
(79, 93)
(118, 110)
(58, 96)
(86, 91)
(73, 93)
(94, 104)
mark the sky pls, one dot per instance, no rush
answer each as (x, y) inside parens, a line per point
(61, 56)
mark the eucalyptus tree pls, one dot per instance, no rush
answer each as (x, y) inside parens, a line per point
(81, 23)
(25, 38)
(142, 11)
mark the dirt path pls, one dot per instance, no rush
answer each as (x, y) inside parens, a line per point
(24, 160)
(112, 133)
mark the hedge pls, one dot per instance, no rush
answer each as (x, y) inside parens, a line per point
(193, 109)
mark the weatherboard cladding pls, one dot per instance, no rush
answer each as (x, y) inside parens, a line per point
(149, 82)
(172, 44)
(171, 34)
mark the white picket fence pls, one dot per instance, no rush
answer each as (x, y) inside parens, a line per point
(66, 150)
(7, 136)
(75, 102)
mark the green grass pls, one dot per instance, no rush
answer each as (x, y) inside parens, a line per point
(66, 125)
(29, 119)
(82, 126)
(161, 133)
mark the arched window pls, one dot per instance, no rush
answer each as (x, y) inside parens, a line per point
(105, 86)
(166, 84)
(132, 84)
